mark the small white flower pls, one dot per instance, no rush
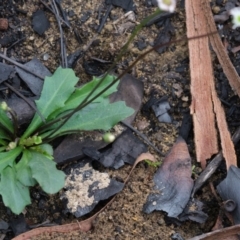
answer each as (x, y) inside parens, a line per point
(167, 5)
(235, 12)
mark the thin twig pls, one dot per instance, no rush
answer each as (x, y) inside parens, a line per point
(67, 24)
(26, 100)
(104, 18)
(19, 40)
(85, 102)
(100, 60)
(62, 40)
(213, 165)
(21, 66)
(15, 122)
(143, 137)
(122, 17)
(64, 15)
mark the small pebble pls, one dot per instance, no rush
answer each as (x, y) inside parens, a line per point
(30, 48)
(216, 9)
(161, 221)
(46, 57)
(141, 125)
(3, 24)
(158, 136)
(185, 98)
(71, 13)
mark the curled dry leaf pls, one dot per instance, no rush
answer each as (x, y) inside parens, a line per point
(125, 149)
(173, 182)
(130, 90)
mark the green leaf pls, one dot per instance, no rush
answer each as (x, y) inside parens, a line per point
(23, 171)
(3, 142)
(6, 122)
(2, 149)
(7, 158)
(45, 172)
(3, 134)
(28, 142)
(14, 194)
(103, 117)
(81, 93)
(45, 149)
(56, 90)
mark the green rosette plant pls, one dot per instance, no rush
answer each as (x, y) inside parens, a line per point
(27, 160)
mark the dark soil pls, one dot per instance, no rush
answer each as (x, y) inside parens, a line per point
(165, 74)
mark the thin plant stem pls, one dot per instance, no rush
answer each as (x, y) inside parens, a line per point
(85, 103)
(122, 52)
(26, 100)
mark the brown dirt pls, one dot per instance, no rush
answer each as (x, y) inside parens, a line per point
(124, 218)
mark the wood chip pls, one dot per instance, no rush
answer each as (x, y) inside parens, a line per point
(206, 107)
(201, 78)
(222, 55)
(234, 80)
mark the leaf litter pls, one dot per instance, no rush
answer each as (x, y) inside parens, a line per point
(173, 182)
(84, 225)
(85, 187)
(34, 83)
(160, 90)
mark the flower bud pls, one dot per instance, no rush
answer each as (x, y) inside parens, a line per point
(108, 137)
(4, 106)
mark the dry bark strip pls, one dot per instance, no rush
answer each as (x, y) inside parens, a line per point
(83, 226)
(219, 49)
(234, 81)
(206, 107)
(219, 234)
(201, 75)
(227, 145)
